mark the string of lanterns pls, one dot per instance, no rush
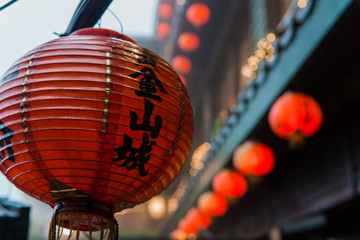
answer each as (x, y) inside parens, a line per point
(293, 119)
(291, 114)
(250, 158)
(197, 14)
(165, 14)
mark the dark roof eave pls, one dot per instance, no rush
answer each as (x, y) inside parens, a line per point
(87, 14)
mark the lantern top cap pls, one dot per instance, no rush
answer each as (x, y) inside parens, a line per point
(102, 32)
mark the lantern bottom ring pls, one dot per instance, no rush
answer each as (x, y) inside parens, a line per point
(84, 217)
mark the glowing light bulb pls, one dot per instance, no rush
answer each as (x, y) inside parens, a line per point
(156, 207)
(302, 3)
(271, 37)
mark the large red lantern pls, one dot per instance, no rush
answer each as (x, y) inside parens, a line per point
(254, 158)
(92, 124)
(230, 183)
(198, 218)
(198, 14)
(165, 11)
(294, 116)
(188, 42)
(181, 64)
(212, 204)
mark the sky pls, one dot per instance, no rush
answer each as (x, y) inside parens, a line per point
(27, 24)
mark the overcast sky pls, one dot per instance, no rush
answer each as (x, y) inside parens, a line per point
(27, 24)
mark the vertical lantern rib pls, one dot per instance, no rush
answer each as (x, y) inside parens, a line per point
(181, 120)
(23, 94)
(107, 93)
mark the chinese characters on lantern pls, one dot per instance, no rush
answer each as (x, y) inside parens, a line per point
(149, 85)
(5, 144)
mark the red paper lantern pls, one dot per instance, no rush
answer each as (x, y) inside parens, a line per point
(198, 218)
(92, 124)
(294, 116)
(187, 227)
(254, 158)
(188, 42)
(198, 14)
(230, 183)
(181, 64)
(165, 11)
(212, 204)
(163, 30)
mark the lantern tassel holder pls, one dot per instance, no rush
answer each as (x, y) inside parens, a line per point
(82, 218)
(296, 140)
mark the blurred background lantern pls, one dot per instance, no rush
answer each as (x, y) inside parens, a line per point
(254, 158)
(163, 30)
(187, 226)
(165, 11)
(188, 42)
(181, 64)
(230, 183)
(198, 218)
(198, 14)
(177, 234)
(94, 124)
(212, 204)
(294, 116)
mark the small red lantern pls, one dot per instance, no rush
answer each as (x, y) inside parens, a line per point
(92, 124)
(198, 14)
(254, 158)
(230, 183)
(187, 226)
(294, 116)
(163, 30)
(212, 204)
(188, 42)
(198, 218)
(181, 64)
(165, 11)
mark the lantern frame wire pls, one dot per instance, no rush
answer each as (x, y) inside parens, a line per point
(117, 19)
(107, 226)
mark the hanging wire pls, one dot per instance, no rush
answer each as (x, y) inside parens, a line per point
(99, 23)
(7, 4)
(116, 17)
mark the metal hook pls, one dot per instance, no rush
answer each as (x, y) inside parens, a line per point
(116, 17)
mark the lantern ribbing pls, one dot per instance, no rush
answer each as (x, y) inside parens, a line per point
(96, 118)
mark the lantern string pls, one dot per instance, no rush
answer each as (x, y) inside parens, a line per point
(116, 229)
(99, 23)
(117, 18)
(90, 228)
